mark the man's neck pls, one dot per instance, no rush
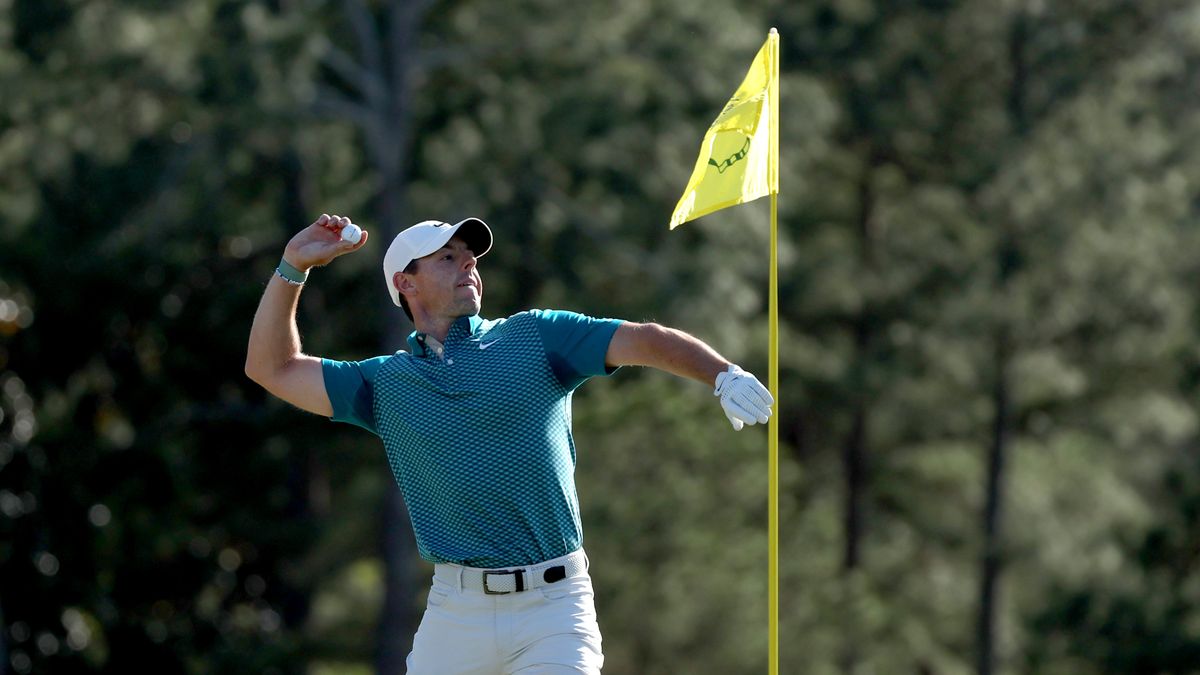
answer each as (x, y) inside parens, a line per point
(436, 328)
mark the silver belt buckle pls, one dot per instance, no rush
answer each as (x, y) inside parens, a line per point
(519, 578)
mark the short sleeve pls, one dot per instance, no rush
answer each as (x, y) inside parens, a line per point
(351, 389)
(576, 345)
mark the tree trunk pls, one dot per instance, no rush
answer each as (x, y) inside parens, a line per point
(397, 622)
(1007, 260)
(854, 457)
(379, 82)
(3, 642)
(398, 618)
(993, 511)
(295, 601)
(854, 454)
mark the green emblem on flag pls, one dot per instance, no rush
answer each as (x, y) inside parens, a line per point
(732, 159)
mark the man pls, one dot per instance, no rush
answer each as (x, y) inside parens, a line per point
(476, 422)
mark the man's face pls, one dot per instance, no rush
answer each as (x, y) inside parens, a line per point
(447, 282)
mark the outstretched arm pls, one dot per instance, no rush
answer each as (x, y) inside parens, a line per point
(743, 397)
(274, 359)
(649, 344)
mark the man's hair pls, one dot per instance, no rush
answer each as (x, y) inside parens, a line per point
(411, 269)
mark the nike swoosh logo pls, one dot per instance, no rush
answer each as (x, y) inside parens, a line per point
(485, 345)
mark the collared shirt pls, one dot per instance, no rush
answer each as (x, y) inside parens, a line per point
(477, 431)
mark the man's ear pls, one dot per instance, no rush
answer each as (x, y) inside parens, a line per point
(403, 283)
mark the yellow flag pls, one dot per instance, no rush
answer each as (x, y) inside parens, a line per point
(738, 157)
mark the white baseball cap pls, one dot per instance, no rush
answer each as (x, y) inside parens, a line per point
(426, 237)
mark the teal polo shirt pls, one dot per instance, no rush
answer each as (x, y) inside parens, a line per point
(478, 433)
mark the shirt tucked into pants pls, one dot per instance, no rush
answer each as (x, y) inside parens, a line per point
(544, 629)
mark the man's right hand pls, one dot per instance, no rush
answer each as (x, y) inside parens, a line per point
(273, 357)
(320, 243)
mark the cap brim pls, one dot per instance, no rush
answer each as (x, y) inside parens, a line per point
(476, 234)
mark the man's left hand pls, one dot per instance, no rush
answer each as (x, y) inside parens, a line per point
(744, 399)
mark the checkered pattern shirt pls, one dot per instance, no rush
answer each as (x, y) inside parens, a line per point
(478, 431)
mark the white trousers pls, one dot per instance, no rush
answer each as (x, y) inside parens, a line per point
(550, 630)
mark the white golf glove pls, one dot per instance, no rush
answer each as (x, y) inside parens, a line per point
(743, 397)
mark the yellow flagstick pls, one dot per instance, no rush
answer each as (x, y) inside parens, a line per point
(773, 459)
(738, 163)
(773, 378)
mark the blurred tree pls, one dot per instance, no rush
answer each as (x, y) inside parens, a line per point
(157, 508)
(924, 90)
(162, 513)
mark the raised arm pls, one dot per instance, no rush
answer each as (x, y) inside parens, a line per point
(273, 358)
(743, 397)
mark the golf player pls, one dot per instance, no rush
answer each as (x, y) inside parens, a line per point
(475, 419)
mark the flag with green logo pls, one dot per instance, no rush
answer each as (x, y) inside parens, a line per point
(737, 162)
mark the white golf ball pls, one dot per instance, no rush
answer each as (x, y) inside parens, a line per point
(352, 233)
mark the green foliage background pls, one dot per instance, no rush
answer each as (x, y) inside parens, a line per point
(977, 197)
